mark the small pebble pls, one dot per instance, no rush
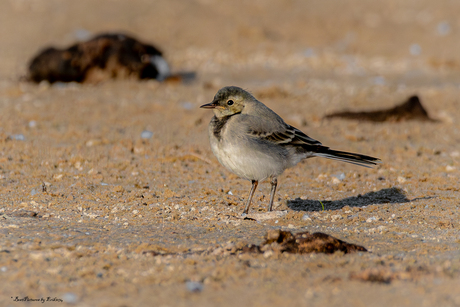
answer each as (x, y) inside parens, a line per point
(187, 105)
(18, 137)
(268, 254)
(415, 49)
(371, 219)
(335, 180)
(70, 298)
(336, 217)
(146, 134)
(340, 176)
(82, 34)
(309, 52)
(379, 80)
(194, 286)
(443, 28)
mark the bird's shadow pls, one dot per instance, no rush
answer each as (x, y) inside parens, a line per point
(384, 196)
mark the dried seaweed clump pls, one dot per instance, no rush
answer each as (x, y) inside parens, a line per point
(106, 56)
(281, 241)
(411, 109)
(305, 243)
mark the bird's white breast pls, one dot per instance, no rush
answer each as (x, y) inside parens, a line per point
(248, 159)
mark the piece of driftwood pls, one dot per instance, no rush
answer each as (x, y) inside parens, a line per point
(106, 56)
(412, 109)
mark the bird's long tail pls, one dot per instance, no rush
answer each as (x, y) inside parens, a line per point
(349, 157)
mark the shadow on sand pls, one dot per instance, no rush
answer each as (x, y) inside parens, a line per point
(384, 196)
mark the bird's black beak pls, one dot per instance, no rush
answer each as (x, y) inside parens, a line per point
(211, 105)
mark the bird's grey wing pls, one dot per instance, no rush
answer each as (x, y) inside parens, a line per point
(280, 133)
(286, 135)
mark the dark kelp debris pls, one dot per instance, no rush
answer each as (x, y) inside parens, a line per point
(106, 56)
(301, 243)
(412, 109)
(278, 241)
(305, 243)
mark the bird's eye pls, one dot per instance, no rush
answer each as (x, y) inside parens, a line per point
(230, 102)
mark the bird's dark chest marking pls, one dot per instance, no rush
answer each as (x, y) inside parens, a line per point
(218, 124)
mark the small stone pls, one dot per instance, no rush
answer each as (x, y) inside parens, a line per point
(187, 105)
(335, 180)
(70, 298)
(194, 286)
(306, 217)
(82, 34)
(379, 80)
(93, 142)
(415, 49)
(308, 53)
(336, 217)
(450, 168)
(58, 176)
(321, 177)
(18, 137)
(146, 134)
(340, 176)
(371, 219)
(268, 254)
(443, 28)
(401, 179)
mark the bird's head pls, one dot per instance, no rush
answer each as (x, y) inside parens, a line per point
(228, 101)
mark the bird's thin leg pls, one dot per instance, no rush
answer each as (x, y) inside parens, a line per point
(254, 187)
(274, 183)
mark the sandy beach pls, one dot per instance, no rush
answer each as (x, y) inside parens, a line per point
(110, 194)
